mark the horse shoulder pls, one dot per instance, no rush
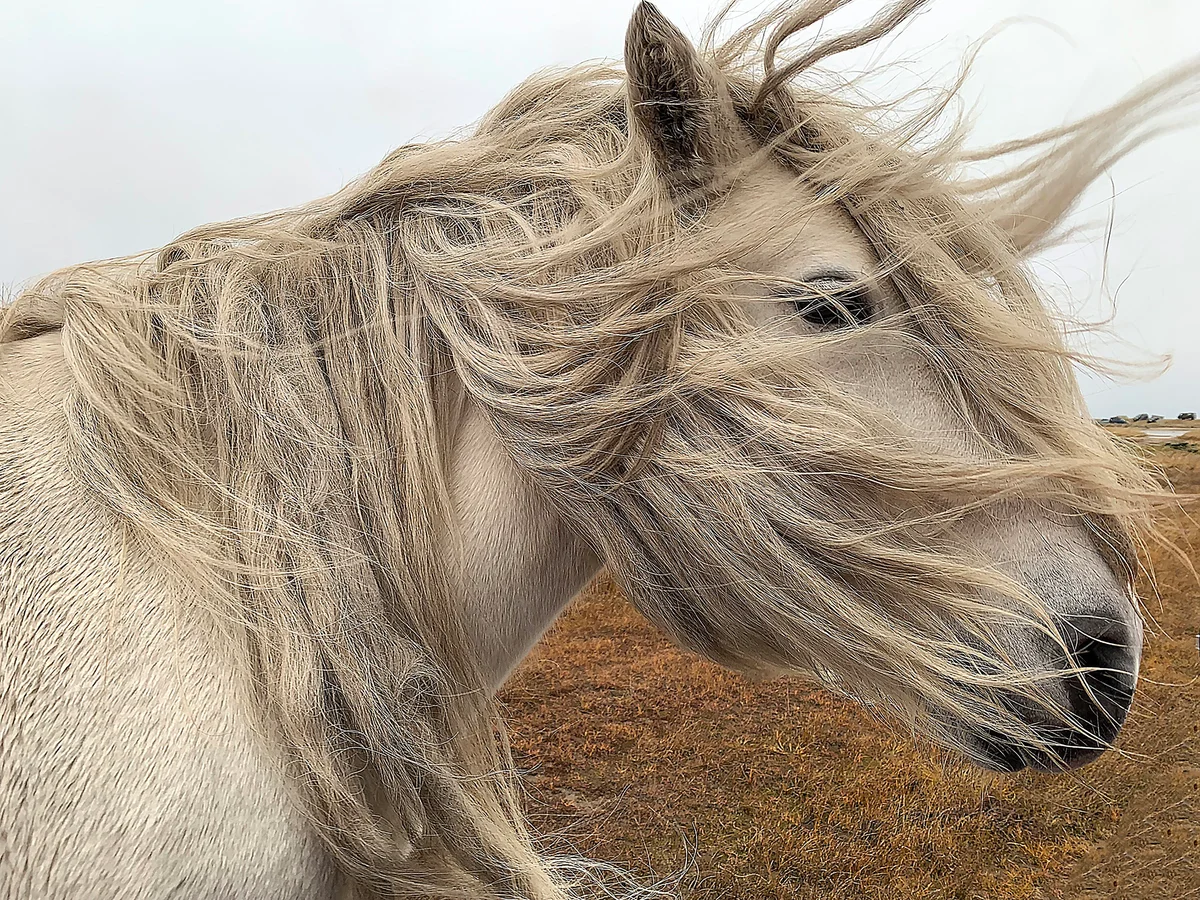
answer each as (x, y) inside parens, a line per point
(129, 765)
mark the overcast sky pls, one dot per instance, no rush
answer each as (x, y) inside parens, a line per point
(123, 123)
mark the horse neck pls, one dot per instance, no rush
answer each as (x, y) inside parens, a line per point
(514, 564)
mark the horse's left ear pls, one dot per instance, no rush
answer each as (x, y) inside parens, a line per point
(678, 104)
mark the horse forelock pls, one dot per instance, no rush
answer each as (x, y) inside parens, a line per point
(269, 400)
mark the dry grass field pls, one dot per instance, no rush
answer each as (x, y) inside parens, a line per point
(642, 754)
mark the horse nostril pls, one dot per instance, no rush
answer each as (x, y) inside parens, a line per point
(1102, 693)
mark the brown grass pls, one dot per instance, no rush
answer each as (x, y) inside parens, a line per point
(646, 755)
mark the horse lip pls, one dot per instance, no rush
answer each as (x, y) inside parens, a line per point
(996, 756)
(1071, 749)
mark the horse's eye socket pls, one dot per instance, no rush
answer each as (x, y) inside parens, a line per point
(832, 309)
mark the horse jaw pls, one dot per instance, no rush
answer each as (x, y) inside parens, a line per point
(512, 561)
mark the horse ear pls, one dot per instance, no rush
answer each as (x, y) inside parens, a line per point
(677, 103)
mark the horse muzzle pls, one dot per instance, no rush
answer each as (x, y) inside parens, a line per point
(1095, 692)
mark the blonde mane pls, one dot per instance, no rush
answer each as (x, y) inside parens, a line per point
(266, 402)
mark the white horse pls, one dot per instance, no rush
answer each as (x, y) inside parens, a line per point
(284, 503)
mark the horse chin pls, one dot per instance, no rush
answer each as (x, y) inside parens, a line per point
(994, 756)
(1006, 759)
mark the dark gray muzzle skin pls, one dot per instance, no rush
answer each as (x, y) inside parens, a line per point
(1097, 701)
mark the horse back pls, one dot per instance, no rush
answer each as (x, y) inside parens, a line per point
(129, 765)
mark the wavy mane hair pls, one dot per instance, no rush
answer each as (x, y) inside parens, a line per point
(267, 400)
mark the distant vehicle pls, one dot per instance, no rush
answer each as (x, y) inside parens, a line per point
(1118, 420)
(1142, 417)
(1155, 419)
(1187, 417)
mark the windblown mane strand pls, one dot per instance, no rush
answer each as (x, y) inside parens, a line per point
(268, 402)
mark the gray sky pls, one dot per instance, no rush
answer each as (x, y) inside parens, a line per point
(125, 122)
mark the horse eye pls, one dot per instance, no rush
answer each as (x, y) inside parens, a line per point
(830, 310)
